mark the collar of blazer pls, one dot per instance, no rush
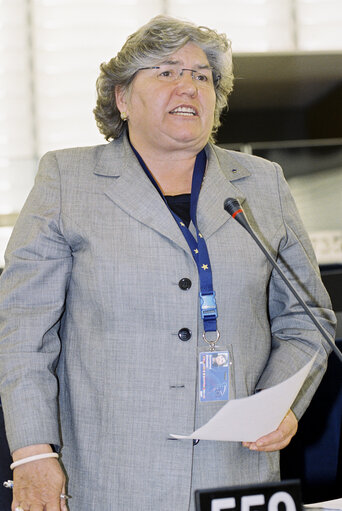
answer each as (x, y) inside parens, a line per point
(133, 192)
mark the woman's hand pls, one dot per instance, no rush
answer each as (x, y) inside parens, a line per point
(279, 438)
(37, 485)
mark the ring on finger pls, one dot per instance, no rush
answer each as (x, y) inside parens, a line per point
(64, 496)
(18, 508)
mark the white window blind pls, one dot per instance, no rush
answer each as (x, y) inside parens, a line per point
(16, 118)
(70, 40)
(251, 25)
(319, 24)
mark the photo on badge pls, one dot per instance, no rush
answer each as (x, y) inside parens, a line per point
(213, 376)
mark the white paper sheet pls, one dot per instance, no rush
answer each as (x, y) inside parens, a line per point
(247, 419)
(328, 504)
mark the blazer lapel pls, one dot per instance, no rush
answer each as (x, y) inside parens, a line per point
(223, 169)
(130, 188)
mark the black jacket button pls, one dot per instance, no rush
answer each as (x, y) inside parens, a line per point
(185, 284)
(184, 334)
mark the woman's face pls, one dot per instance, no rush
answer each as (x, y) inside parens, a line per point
(168, 116)
(220, 360)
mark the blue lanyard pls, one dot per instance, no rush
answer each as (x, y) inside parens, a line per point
(198, 248)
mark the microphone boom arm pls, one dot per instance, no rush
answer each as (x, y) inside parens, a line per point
(232, 206)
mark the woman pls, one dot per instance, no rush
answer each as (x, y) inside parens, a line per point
(101, 263)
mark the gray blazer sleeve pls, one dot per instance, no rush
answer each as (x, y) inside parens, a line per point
(294, 336)
(37, 258)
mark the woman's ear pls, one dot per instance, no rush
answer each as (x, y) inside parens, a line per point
(120, 98)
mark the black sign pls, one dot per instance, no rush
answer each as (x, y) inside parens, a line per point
(275, 496)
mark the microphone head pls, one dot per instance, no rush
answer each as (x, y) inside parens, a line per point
(231, 205)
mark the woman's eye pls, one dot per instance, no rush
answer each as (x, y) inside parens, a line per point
(202, 78)
(167, 73)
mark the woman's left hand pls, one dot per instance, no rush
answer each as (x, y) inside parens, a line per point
(279, 438)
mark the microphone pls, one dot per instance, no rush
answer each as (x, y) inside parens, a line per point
(233, 207)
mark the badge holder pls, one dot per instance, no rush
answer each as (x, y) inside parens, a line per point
(214, 368)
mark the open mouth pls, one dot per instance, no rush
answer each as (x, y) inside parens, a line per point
(185, 111)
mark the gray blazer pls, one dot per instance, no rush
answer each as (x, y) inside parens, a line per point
(90, 358)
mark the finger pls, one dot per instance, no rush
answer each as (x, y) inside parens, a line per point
(15, 501)
(270, 438)
(275, 437)
(64, 506)
(36, 507)
(15, 504)
(64, 500)
(53, 506)
(270, 447)
(274, 441)
(279, 438)
(23, 506)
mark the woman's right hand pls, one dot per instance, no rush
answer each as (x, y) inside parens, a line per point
(37, 485)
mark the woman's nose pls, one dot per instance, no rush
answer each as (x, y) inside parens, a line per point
(186, 84)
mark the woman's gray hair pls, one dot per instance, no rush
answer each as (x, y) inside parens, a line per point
(159, 38)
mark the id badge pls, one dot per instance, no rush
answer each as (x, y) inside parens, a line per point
(213, 376)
